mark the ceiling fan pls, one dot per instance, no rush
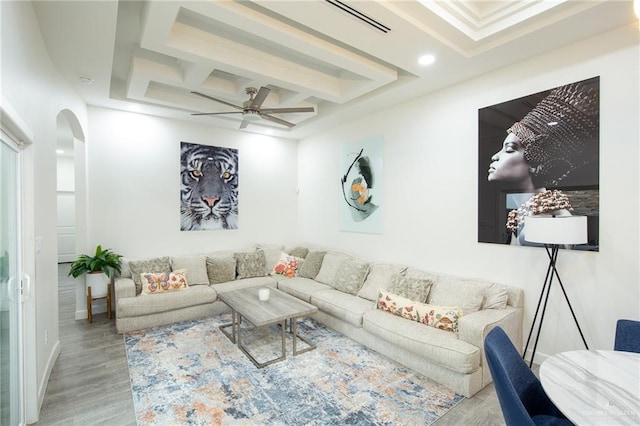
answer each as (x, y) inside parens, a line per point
(251, 110)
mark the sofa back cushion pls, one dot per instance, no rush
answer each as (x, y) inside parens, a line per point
(196, 267)
(221, 269)
(272, 254)
(380, 277)
(455, 291)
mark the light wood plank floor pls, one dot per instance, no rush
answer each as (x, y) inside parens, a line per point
(89, 384)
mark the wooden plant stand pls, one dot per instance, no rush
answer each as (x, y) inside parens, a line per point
(91, 299)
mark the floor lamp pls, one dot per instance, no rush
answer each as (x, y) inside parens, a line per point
(553, 232)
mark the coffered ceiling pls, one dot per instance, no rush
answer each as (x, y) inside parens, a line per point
(344, 58)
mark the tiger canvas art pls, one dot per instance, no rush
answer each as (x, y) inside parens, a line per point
(208, 187)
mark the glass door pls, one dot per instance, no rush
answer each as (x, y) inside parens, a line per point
(11, 368)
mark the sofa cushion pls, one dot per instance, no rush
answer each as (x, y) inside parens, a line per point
(196, 267)
(330, 265)
(346, 307)
(165, 302)
(311, 264)
(435, 345)
(495, 297)
(221, 269)
(154, 265)
(455, 291)
(163, 282)
(287, 265)
(272, 254)
(244, 283)
(250, 264)
(413, 288)
(302, 288)
(379, 277)
(350, 275)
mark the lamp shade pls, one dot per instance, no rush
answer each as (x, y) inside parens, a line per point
(556, 229)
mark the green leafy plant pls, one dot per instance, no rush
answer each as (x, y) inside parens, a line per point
(103, 261)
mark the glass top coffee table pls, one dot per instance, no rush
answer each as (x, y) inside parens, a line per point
(278, 309)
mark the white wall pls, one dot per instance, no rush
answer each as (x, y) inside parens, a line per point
(430, 189)
(134, 186)
(38, 93)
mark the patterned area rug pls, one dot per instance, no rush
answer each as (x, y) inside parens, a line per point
(191, 374)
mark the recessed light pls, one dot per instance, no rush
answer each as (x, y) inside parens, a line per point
(426, 60)
(59, 151)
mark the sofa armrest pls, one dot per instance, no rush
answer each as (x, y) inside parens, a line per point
(473, 328)
(124, 287)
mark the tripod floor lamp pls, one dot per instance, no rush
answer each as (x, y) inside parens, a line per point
(553, 232)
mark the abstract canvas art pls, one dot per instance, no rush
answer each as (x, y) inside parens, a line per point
(208, 187)
(548, 141)
(361, 180)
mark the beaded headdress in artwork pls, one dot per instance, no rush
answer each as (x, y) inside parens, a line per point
(560, 134)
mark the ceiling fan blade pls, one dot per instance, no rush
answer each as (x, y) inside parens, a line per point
(244, 123)
(276, 120)
(216, 113)
(260, 97)
(287, 110)
(218, 100)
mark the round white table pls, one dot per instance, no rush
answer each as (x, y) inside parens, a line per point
(594, 387)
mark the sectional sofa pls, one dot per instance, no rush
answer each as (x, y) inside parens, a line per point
(432, 323)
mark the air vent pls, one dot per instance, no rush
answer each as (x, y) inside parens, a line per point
(361, 16)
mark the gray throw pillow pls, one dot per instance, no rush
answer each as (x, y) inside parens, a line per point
(350, 276)
(416, 289)
(299, 252)
(250, 264)
(221, 269)
(155, 265)
(311, 264)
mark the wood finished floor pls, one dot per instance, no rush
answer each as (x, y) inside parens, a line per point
(89, 383)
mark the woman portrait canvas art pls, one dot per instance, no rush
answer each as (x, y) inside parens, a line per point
(543, 142)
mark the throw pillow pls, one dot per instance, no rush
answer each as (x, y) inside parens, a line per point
(379, 277)
(456, 291)
(496, 297)
(221, 269)
(311, 265)
(330, 264)
(441, 317)
(287, 265)
(158, 264)
(250, 264)
(412, 288)
(398, 305)
(163, 282)
(350, 276)
(299, 252)
(195, 265)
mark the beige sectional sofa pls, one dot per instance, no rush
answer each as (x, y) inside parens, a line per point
(346, 291)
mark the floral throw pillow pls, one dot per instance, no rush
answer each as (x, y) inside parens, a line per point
(163, 282)
(440, 317)
(287, 265)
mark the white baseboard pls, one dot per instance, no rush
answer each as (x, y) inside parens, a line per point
(42, 386)
(97, 308)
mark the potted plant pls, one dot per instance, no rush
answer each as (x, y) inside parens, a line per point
(98, 269)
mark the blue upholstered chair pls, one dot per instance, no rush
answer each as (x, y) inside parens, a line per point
(627, 336)
(522, 398)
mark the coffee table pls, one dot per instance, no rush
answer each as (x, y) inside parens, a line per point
(280, 308)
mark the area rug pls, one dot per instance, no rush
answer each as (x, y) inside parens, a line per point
(191, 374)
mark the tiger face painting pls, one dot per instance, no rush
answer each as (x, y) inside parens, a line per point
(209, 187)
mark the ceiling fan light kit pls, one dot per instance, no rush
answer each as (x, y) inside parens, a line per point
(251, 109)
